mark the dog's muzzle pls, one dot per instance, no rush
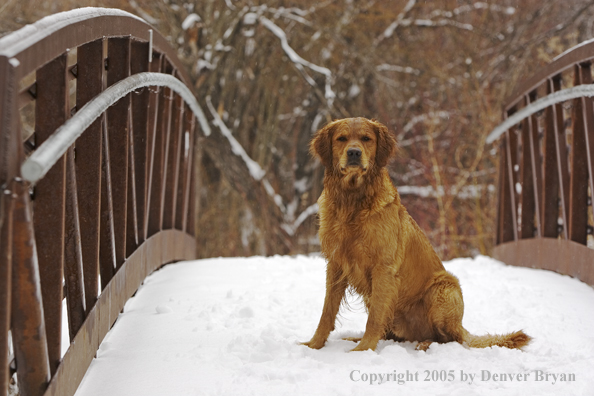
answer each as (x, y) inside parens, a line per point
(354, 156)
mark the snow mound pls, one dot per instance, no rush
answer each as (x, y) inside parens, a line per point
(233, 326)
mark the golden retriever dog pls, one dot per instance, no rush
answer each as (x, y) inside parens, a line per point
(375, 247)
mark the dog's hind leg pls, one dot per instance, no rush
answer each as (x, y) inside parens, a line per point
(445, 309)
(445, 315)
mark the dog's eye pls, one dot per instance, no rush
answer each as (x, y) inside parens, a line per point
(342, 139)
(366, 138)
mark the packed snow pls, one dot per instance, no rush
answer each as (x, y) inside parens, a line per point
(233, 326)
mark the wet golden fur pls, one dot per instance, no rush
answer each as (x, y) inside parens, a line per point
(373, 245)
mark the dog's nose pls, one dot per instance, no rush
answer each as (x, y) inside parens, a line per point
(353, 154)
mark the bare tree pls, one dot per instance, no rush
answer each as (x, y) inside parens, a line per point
(269, 73)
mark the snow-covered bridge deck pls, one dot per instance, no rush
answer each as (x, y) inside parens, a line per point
(232, 326)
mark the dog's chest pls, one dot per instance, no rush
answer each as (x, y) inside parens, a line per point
(352, 246)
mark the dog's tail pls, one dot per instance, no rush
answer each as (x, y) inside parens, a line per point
(517, 340)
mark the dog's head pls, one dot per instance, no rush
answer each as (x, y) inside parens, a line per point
(352, 147)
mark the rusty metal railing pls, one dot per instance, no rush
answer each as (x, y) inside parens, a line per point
(97, 135)
(546, 169)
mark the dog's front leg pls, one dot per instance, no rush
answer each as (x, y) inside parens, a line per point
(336, 286)
(384, 293)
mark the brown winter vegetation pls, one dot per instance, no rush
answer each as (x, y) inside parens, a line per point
(373, 244)
(275, 71)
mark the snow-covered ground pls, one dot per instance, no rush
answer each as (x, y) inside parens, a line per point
(232, 327)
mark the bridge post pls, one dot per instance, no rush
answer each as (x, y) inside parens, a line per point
(6, 200)
(9, 162)
(9, 113)
(28, 327)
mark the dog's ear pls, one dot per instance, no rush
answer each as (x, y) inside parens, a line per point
(386, 144)
(321, 144)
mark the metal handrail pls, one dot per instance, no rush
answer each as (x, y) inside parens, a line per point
(580, 53)
(34, 45)
(46, 155)
(541, 104)
(113, 198)
(546, 167)
(14, 43)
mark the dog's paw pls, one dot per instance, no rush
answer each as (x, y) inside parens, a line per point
(364, 346)
(354, 339)
(423, 346)
(314, 344)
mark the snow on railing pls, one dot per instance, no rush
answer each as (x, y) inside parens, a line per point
(15, 42)
(44, 157)
(542, 103)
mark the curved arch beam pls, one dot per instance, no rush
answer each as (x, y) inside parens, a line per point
(549, 100)
(46, 155)
(29, 35)
(34, 45)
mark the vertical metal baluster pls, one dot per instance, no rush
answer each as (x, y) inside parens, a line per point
(586, 76)
(561, 150)
(156, 105)
(173, 160)
(140, 113)
(187, 132)
(190, 164)
(118, 61)
(89, 150)
(73, 265)
(527, 195)
(107, 242)
(511, 144)
(132, 227)
(550, 192)
(578, 209)
(51, 111)
(535, 163)
(155, 220)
